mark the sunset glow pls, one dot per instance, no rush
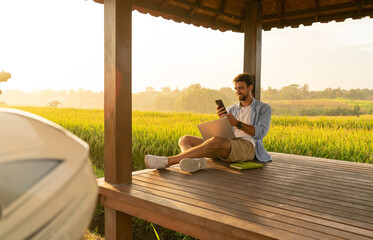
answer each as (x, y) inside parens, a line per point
(63, 48)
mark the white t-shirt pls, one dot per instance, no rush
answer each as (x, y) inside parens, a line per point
(244, 116)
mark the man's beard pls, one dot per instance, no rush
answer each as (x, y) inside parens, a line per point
(242, 97)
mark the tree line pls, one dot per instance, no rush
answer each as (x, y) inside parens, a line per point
(193, 98)
(297, 92)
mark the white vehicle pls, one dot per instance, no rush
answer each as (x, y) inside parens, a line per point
(47, 186)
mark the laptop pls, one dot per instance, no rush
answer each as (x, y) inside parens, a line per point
(218, 128)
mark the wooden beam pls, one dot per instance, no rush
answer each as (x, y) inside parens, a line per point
(118, 108)
(280, 10)
(315, 7)
(197, 5)
(184, 16)
(359, 9)
(164, 4)
(253, 43)
(223, 3)
(194, 6)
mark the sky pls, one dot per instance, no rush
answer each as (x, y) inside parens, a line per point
(59, 44)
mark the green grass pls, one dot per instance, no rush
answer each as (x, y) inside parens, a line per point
(344, 139)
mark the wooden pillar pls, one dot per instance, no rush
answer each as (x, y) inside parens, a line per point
(118, 108)
(118, 225)
(253, 43)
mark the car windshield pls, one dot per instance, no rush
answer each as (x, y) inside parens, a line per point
(16, 177)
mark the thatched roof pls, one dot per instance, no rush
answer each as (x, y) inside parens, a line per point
(229, 14)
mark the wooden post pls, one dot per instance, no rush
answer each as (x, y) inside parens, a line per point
(253, 43)
(118, 225)
(118, 108)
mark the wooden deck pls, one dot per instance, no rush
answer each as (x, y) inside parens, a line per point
(292, 197)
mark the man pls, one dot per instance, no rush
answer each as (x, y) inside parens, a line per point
(250, 119)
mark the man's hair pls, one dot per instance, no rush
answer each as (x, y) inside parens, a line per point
(245, 77)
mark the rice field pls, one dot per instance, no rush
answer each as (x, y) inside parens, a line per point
(343, 138)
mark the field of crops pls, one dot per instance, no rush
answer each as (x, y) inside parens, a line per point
(344, 138)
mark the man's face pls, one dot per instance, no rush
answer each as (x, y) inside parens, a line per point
(242, 91)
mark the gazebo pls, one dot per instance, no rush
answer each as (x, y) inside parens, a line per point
(293, 197)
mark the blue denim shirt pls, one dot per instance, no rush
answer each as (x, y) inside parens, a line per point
(260, 119)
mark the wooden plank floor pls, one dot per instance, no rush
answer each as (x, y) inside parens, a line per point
(292, 197)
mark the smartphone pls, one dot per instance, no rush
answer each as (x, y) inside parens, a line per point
(220, 103)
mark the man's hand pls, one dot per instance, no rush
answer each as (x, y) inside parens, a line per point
(220, 111)
(245, 127)
(232, 120)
